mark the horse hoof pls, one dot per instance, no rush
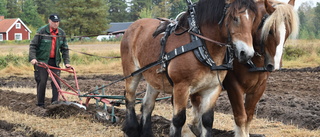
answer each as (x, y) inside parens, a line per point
(194, 130)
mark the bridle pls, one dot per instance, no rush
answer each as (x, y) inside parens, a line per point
(253, 67)
(262, 45)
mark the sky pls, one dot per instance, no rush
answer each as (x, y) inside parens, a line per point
(299, 2)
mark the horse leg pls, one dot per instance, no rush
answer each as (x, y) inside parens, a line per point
(146, 110)
(235, 94)
(207, 103)
(180, 101)
(250, 104)
(196, 122)
(131, 125)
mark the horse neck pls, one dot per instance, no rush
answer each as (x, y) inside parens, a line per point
(213, 32)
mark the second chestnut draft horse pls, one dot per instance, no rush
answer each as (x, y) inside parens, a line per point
(280, 20)
(219, 20)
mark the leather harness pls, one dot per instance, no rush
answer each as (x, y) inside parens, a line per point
(197, 45)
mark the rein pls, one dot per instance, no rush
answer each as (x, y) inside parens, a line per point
(72, 36)
(84, 53)
(210, 40)
(196, 34)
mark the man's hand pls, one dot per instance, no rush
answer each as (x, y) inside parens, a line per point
(68, 65)
(33, 61)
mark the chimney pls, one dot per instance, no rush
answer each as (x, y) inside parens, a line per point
(1, 17)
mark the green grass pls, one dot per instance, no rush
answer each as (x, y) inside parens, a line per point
(13, 59)
(293, 53)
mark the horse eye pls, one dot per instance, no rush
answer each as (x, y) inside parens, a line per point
(236, 19)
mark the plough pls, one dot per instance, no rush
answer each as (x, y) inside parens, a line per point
(98, 93)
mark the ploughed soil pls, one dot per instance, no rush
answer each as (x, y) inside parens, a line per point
(292, 97)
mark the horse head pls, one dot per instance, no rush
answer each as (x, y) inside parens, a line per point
(239, 21)
(282, 21)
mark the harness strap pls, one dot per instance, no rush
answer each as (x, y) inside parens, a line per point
(168, 31)
(201, 52)
(139, 71)
(176, 52)
(191, 18)
(254, 68)
(183, 49)
(167, 57)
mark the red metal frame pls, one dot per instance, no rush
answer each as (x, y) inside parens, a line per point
(76, 90)
(54, 76)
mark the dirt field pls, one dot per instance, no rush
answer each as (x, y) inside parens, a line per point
(292, 97)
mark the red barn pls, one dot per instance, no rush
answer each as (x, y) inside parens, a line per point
(13, 29)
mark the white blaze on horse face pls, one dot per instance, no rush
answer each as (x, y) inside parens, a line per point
(247, 15)
(279, 50)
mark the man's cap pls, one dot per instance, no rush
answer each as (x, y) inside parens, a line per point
(54, 17)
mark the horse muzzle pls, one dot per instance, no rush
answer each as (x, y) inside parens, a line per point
(270, 67)
(243, 51)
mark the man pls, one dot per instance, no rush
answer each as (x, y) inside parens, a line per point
(46, 47)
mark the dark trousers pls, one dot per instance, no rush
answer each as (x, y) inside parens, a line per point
(41, 77)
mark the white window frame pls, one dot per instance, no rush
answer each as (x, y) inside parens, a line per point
(17, 34)
(18, 25)
(1, 37)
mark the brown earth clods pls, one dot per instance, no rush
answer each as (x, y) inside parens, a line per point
(292, 97)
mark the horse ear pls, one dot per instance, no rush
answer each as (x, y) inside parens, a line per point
(291, 2)
(269, 7)
(229, 1)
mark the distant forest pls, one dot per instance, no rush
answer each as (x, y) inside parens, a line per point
(85, 17)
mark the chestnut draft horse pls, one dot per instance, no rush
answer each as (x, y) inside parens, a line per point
(220, 20)
(280, 21)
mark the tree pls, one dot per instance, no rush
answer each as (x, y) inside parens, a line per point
(83, 17)
(162, 9)
(3, 10)
(145, 13)
(46, 7)
(13, 8)
(177, 7)
(30, 15)
(316, 21)
(136, 6)
(117, 11)
(306, 16)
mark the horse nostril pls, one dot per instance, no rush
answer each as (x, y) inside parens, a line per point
(242, 53)
(270, 67)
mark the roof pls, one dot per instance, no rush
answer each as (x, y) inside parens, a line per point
(7, 24)
(117, 27)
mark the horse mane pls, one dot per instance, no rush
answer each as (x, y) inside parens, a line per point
(284, 13)
(211, 11)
